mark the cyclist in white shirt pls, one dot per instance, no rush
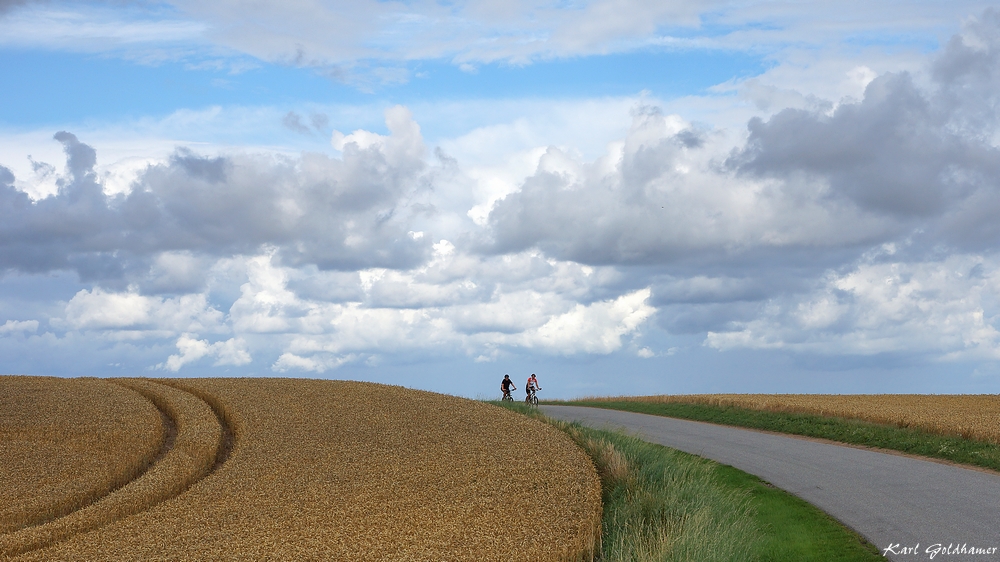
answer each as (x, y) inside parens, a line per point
(532, 384)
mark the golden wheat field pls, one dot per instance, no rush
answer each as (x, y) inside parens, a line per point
(969, 416)
(66, 442)
(284, 469)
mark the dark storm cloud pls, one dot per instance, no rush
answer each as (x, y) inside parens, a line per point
(336, 214)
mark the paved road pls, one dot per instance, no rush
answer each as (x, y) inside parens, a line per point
(889, 499)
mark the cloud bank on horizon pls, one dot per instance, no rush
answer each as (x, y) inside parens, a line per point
(832, 210)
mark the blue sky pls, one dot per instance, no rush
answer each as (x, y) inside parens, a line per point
(624, 197)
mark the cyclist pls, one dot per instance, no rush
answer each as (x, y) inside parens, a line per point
(530, 386)
(506, 385)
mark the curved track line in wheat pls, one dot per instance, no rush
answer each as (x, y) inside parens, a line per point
(196, 443)
(67, 443)
(228, 435)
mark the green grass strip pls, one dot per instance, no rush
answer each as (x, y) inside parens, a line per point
(661, 504)
(793, 529)
(856, 432)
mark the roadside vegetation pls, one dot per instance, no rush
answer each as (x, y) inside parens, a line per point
(661, 504)
(917, 425)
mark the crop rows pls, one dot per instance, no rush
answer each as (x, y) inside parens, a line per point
(968, 416)
(330, 470)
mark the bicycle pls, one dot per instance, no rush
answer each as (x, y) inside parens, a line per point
(531, 399)
(507, 397)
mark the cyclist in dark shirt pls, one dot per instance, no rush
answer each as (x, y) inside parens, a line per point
(506, 385)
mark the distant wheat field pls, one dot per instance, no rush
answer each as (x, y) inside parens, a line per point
(283, 469)
(969, 416)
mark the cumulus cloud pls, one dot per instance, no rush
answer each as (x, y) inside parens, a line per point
(936, 308)
(100, 310)
(341, 213)
(597, 328)
(19, 326)
(319, 363)
(854, 226)
(663, 197)
(893, 153)
(229, 352)
(493, 307)
(733, 237)
(904, 158)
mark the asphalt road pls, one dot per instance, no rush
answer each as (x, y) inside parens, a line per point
(889, 499)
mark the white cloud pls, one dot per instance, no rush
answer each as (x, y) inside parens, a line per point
(531, 235)
(264, 300)
(97, 309)
(85, 28)
(318, 363)
(455, 303)
(19, 326)
(369, 42)
(936, 308)
(230, 352)
(595, 328)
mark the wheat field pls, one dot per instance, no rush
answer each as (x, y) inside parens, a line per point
(965, 415)
(66, 442)
(287, 469)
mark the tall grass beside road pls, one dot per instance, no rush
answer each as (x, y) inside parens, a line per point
(913, 439)
(661, 504)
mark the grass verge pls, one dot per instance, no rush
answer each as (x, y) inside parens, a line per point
(662, 504)
(856, 432)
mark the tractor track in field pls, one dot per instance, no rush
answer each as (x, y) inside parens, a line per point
(228, 440)
(97, 513)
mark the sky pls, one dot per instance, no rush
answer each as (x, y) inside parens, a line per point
(624, 197)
